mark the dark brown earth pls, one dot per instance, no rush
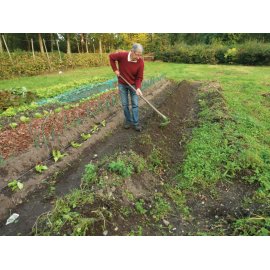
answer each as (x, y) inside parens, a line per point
(178, 102)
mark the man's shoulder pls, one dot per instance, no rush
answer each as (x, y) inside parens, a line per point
(122, 53)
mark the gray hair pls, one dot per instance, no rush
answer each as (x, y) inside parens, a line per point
(137, 47)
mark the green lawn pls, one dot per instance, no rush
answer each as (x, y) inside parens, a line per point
(56, 79)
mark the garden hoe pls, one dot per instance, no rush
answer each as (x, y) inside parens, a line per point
(166, 120)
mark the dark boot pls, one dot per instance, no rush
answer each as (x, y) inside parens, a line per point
(138, 128)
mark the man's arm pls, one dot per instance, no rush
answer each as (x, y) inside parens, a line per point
(139, 77)
(113, 58)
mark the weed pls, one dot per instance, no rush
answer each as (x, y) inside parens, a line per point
(145, 139)
(79, 198)
(121, 168)
(156, 160)
(62, 219)
(161, 207)
(137, 232)
(252, 226)
(82, 226)
(125, 211)
(139, 205)
(90, 173)
(129, 195)
(136, 161)
(178, 198)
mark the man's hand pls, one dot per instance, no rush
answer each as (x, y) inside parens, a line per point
(139, 92)
(117, 73)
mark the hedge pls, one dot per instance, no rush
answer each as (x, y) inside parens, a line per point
(252, 53)
(23, 64)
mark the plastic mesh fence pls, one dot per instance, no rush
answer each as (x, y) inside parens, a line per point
(88, 90)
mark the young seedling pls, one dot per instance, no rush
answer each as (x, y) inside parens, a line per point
(24, 119)
(2, 161)
(75, 145)
(57, 155)
(13, 125)
(85, 136)
(103, 123)
(38, 115)
(40, 168)
(94, 129)
(15, 185)
(57, 110)
(45, 112)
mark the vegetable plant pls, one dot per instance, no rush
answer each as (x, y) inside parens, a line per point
(15, 185)
(24, 119)
(75, 145)
(13, 125)
(40, 168)
(57, 155)
(85, 136)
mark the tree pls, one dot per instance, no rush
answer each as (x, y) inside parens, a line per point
(1, 45)
(68, 44)
(40, 43)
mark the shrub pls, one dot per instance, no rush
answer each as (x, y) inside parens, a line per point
(249, 53)
(25, 65)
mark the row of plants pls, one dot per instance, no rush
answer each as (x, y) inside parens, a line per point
(251, 53)
(57, 155)
(47, 127)
(24, 111)
(13, 116)
(22, 99)
(24, 64)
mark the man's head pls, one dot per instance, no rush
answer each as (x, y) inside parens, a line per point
(136, 51)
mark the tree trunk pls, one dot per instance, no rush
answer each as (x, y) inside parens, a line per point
(100, 46)
(68, 44)
(28, 43)
(40, 43)
(78, 46)
(86, 44)
(82, 42)
(52, 42)
(1, 45)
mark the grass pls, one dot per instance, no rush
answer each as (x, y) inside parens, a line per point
(51, 80)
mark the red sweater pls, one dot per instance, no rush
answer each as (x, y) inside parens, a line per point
(131, 71)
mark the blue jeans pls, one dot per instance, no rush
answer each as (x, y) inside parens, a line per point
(124, 90)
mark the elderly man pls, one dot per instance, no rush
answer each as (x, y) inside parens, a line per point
(130, 67)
